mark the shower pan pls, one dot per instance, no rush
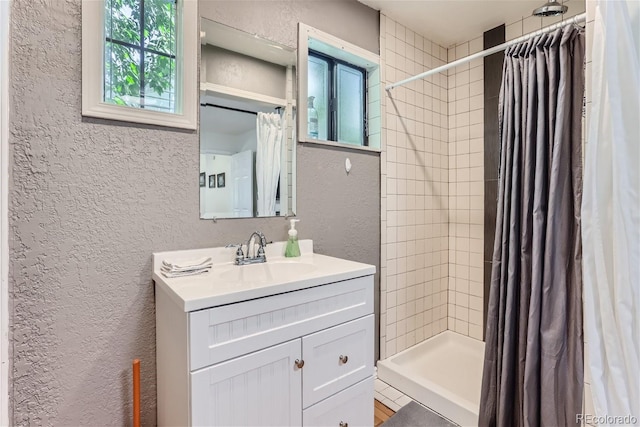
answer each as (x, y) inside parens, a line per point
(443, 373)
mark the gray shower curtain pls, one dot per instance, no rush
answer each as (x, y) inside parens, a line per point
(533, 368)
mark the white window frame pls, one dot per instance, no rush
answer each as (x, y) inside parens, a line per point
(309, 37)
(187, 99)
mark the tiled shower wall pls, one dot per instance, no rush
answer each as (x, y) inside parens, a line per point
(414, 182)
(466, 191)
(464, 209)
(433, 207)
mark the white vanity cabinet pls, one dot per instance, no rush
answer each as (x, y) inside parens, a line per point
(297, 358)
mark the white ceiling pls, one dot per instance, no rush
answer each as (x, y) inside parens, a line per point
(448, 22)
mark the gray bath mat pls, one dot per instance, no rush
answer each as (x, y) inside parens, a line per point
(415, 415)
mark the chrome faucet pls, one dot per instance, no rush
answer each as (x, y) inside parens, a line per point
(242, 259)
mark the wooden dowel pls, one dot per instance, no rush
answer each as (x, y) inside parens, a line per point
(136, 393)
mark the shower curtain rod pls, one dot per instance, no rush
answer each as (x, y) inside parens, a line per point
(255, 113)
(206, 104)
(574, 20)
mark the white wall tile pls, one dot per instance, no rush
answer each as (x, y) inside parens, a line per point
(432, 150)
(531, 23)
(409, 37)
(513, 30)
(475, 331)
(476, 74)
(397, 30)
(462, 50)
(476, 45)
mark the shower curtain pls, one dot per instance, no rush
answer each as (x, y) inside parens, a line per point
(270, 130)
(610, 212)
(533, 368)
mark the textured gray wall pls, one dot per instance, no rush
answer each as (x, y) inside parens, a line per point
(91, 200)
(236, 70)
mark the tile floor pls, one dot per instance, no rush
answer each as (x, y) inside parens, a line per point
(389, 396)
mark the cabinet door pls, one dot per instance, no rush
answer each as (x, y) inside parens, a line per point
(352, 407)
(337, 358)
(260, 389)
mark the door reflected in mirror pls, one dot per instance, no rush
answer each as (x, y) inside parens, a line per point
(247, 122)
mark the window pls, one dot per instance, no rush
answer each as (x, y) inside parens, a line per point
(141, 66)
(140, 53)
(336, 90)
(339, 92)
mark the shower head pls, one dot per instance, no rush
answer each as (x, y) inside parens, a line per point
(553, 8)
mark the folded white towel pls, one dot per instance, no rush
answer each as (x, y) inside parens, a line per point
(201, 263)
(183, 268)
(172, 274)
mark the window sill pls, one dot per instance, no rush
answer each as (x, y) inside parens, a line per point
(137, 115)
(339, 145)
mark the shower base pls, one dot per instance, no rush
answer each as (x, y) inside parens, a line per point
(444, 373)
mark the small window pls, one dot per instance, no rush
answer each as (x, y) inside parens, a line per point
(337, 93)
(141, 65)
(140, 53)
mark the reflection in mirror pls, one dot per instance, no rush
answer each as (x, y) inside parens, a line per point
(247, 122)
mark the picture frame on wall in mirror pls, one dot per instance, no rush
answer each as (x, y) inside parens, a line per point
(203, 177)
(221, 180)
(212, 181)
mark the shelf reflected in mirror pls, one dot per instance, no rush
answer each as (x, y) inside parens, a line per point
(247, 125)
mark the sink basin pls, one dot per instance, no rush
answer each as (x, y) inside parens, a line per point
(280, 271)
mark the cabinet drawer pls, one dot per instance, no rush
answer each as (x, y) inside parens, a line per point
(336, 358)
(353, 407)
(220, 333)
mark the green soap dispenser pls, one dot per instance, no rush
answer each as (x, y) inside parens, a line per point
(293, 249)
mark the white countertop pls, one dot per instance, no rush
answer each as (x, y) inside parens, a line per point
(227, 283)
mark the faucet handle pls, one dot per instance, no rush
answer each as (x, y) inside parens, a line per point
(261, 253)
(239, 252)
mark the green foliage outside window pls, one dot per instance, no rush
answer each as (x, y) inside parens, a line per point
(140, 53)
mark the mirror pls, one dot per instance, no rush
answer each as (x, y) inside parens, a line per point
(247, 125)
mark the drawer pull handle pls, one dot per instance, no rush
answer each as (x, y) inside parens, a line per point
(299, 363)
(343, 424)
(344, 359)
